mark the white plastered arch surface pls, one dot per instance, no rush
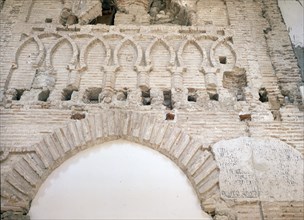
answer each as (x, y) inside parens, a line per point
(117, 180)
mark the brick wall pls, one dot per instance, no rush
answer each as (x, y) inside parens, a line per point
(231, 75)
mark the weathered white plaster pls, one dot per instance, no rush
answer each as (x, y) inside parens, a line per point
(259, 169)
(117, 180)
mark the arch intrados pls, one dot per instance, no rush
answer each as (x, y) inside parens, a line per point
(85, 49)
(24, 43)
(194, 42)
(55, 46)
(165, 44)
(216, 44)
(135, 46)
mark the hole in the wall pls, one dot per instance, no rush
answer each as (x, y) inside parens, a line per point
(214, 96)
(167, 99)
(245, 117)
(66, 95)
(223, 60)
(192, 96)
(162, 12)
(146, 98)
(18, 94)
(170, 116)
(92, 95)
(156, 7)
(44, 95)
(109, 10)
(122, 95)
(212, 214)
(78, 116)
(240, 96)
(263, 95)
(48, 20)
(230, 39)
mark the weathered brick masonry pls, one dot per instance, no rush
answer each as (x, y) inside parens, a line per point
(211, 84)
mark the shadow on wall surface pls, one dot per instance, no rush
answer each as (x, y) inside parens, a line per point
(299, 51)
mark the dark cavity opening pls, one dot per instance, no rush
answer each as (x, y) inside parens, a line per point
(192, 96)
(109, 9)
(167, 99)
(170, 116)
(263, 95)
(213, 96)
(44, 95)
(66, 95)
(18, 94)
(223, 59)
(146, 98)
(78, 116)
(92, 95)
(48, 20)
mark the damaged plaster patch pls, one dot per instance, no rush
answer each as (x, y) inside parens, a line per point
(259, 169)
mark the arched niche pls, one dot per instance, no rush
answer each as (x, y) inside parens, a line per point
(160, 55)
(192, 56)
(61, 58)
(27, 57)
(119, 175)
(127, 55)
(94, 55)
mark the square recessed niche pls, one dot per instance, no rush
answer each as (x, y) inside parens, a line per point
(223, 60)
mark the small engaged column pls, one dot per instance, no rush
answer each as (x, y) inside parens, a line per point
(210, 78)
(143, 73)
(108, 82)
(177, 77)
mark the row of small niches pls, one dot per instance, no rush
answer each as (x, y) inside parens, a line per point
(92, 96)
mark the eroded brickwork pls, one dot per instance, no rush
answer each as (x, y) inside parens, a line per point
(213, 85)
